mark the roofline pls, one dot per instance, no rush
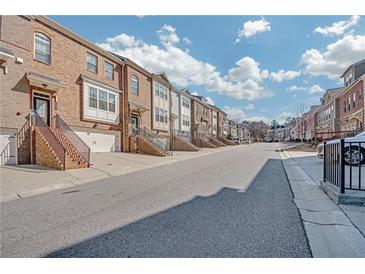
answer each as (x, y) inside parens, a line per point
(134, 65)
(351, 66)
(194, 97)
(53, 24)
(361, 78)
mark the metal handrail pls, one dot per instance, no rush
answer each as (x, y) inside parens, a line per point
(157, 141)
(183, 134)
(82, 148)
(22, 132)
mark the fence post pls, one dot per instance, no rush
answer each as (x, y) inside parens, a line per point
(324, 161)
(342, 166)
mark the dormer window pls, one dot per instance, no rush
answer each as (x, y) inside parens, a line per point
(348, 79)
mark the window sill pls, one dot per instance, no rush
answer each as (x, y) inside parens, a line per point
(42, 62)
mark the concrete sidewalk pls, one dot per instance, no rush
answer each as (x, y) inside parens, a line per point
(27, 180)
(332, 231)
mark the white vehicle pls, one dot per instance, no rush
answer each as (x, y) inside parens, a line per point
(236, 140)
(354, 149)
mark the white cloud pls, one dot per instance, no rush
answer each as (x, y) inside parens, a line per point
(338, 28)
(315, 89)
(310, 90)
(123, 40)
(238, 115)
(282, 75)
(247, 68)
(296, 88)
(168, 36)
(194, 93)
(210, 101)
(250, 107)
(336, 58)
(251, 28)
(187, 41)
(281, 117)
(184, 70)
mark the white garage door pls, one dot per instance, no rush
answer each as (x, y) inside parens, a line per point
(8, 150)
(99, 142)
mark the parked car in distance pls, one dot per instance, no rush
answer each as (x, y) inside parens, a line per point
(236, 140)
(354, 153)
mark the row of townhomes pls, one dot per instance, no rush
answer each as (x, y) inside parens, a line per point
(63, 97)
(339, 114)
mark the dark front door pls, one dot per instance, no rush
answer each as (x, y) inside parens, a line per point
(41, 106)
(135, 123)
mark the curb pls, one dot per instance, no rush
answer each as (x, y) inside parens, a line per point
(329, 231)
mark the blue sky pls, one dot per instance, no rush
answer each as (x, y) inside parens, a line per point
(236, 60)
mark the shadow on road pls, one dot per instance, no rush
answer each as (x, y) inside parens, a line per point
(261, 222)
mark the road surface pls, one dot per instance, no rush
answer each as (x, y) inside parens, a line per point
(234, 203)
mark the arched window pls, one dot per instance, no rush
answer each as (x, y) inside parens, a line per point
(135, 85)
(42, 48)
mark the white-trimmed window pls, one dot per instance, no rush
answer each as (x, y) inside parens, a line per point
(109, 71)
(185, 102)
(353, 100)
(186, 120)
(111, 103)
(92, 62)
(160, 91)
(160, 115)
(135, 85)
(100, 103)
(93, 97)
(42, 48)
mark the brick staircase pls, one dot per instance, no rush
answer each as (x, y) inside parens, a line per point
(216, 142)
(203, 141)
(144, 145)
(54, 149)
(226, 141)
(182, 144)
(49, 152)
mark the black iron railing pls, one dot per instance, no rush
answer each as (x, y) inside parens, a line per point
(82, 148)
(343, 163)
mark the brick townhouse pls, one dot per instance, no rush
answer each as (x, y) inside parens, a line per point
(137, 101)
(15, 100)
(180, 109)
(327, 115)
(201, 121)
(222, 127)
(351, 98)
(232, 129)
(309, 123)
(73, 85)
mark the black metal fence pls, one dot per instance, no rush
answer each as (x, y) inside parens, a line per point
(343, 163)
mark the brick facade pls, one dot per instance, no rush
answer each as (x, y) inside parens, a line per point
(351, 109)
(138, 105)
(68, 63)
(201, 116)
(14, 36)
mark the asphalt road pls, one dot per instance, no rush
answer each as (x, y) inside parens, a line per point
(235, 203)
